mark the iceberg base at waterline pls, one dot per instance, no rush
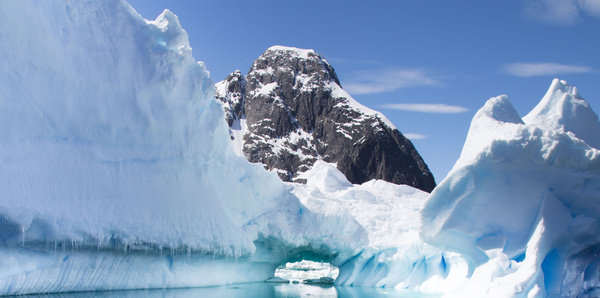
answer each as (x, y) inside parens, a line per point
(370, 244)
(28, 271)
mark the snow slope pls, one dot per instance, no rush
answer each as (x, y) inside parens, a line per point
(521, 205)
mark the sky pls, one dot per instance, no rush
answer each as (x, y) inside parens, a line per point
(427, 65)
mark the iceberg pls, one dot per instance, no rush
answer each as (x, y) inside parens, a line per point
(521, 205)
(116, 168)
(117, 171)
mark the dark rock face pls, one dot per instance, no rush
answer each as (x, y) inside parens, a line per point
(291, 111)
(235, 90)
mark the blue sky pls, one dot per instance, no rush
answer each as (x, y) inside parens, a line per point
(427, 65)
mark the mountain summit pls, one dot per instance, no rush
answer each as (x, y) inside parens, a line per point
(290, 111)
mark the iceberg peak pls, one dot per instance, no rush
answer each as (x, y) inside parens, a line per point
(562, 85)
(564, 110)
(497, 115)
(169, 33)
(501, 109)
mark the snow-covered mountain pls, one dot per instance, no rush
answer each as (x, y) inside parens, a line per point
(290, 111)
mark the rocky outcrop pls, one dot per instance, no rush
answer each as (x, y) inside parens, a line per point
(290, 110)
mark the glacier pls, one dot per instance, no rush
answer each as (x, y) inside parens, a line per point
(117, 172)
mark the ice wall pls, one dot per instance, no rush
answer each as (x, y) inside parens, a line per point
(116, 168)
(105, 124)
(521, 205)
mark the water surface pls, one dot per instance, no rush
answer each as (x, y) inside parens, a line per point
(246, 290)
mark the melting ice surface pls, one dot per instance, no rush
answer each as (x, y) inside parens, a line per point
(117, 172)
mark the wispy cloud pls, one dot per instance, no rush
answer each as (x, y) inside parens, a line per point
(415, 136)
(437, 108)
(562, 12)
(543, 69)
(590, 6)
(388, 79)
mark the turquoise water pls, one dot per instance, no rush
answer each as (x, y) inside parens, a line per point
(247, 290)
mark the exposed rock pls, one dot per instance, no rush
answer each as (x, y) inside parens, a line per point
(291, 110)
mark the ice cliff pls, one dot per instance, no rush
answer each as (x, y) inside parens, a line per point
(116, 167)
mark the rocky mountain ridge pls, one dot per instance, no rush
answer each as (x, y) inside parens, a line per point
(290, 111)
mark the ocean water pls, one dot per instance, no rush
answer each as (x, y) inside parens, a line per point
(246, 290)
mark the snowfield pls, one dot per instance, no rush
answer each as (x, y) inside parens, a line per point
(117, 172)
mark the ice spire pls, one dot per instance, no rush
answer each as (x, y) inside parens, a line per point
(564, 110)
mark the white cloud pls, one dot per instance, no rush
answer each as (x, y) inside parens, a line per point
(562, 12)
(590, 6)
(386, 80)
(543, 69)
(415, 136)
(438, 108)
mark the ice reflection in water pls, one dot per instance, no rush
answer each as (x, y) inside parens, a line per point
(248, 290)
